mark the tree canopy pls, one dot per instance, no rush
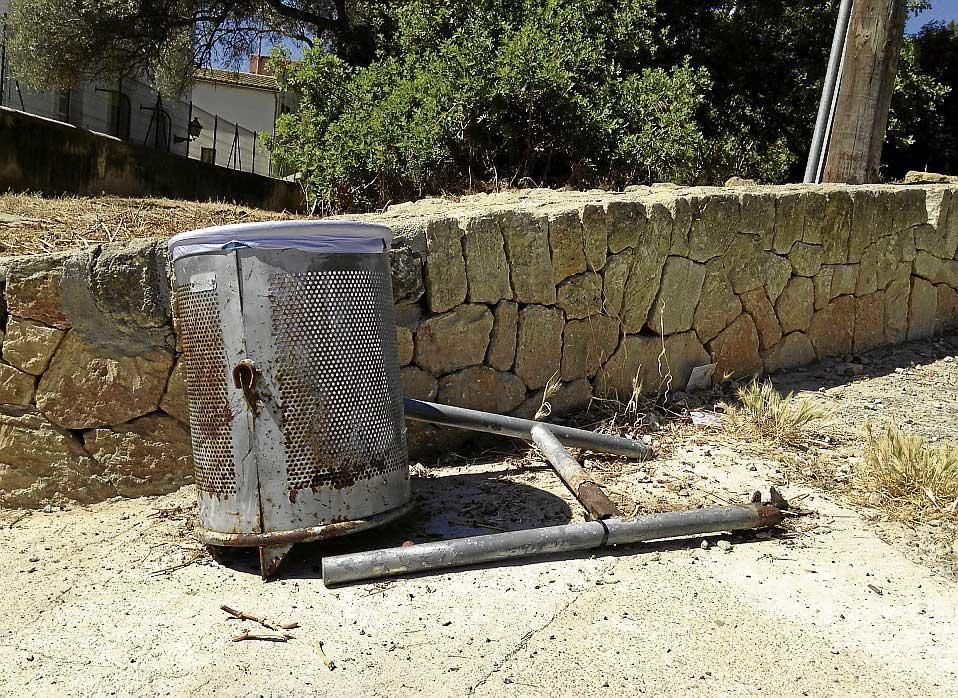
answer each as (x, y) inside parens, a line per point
(415, 97)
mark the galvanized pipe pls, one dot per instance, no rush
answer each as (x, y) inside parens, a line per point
(474, 550)
(582, 487)
(474, 420)
(829, 90)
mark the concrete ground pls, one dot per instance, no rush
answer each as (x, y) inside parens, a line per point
(117, 599)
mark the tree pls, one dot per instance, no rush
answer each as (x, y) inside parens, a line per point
(63, 42)
(923, 126)
(492, 92)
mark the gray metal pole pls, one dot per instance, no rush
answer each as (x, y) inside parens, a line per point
(375, 564)
(582, 487)
(832, 79)
(474, 420)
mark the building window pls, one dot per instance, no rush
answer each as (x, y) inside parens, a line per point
(208, 155)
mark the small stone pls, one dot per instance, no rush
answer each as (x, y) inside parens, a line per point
(704, 545)
(404, 345)
(724, 546)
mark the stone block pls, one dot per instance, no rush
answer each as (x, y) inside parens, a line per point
(502, 345)
(445, 266)
(735, 351)
(148, 456)
(718, 305)
(39, 460)
(679, 212)
(33, 287)
(744, 262)
(29, 345)
(789, 220)
(406, 270)
(896, 307)
(654, 363)
(16, 386)
(866, 223)
(758, 216)
(757, 305)
(487, 269)
(595, 232)
(869, 322)
(453, 340)
(175, 401)
(539, 351)
(806, 259)
(405, 345)
(417, 384)
(586, 345)
(626, 223)
(947, 309)
(571, 398)
(615, 276)
(836, 227)
(796, 305)
(88, 386)
(794, 350)
(482, 388)
(566, 245)
(935, 270)
(922, 309)
(581, 295)
(648, 260)
(813, 224)
(832, 328)
(714, 226)
(527, 247)
(679, 293)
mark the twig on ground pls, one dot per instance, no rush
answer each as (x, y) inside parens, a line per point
(266, 637)
(262, 620)
(330, 664)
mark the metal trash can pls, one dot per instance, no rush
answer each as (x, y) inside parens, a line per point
(292, 371)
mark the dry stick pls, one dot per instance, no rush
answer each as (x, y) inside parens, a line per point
(262, 620)
(268, 637)
(330, 664)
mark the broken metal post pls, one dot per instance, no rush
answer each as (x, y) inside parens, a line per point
(374, 564)
(474, 420)
(582, 487)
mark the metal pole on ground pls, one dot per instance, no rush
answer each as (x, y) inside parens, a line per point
(582, 487)
(341, 569)
(474, 420)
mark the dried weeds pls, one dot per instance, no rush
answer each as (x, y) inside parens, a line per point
(34, 224)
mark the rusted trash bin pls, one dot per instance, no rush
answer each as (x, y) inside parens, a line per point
(288, 337)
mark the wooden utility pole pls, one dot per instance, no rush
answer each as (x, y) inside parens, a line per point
(875, 34)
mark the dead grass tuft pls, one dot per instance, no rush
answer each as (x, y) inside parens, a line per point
(763, 411)
(33, 224)
(909, 478)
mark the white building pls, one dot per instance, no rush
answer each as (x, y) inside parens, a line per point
(237, 109)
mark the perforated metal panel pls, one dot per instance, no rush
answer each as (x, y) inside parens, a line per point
(338, 377)
(201, 333)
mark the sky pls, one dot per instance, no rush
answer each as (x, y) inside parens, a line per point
(942, 10)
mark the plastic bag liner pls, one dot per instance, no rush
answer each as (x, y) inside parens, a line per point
(328, 237)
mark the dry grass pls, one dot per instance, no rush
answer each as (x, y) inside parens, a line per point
(32, 224)
(911, 479)
(764, 412)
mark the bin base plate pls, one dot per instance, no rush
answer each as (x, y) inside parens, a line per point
(274, 545)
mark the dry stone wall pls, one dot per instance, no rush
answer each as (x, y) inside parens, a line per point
(496, 296)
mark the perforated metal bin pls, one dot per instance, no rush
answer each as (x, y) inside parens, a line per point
(292, 373)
